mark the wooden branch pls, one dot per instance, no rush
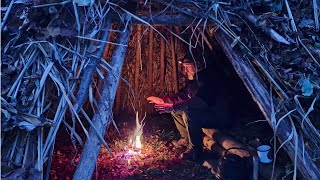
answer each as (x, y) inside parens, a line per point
(150, 62)
(150, 67)
(226, 142)
(196, 37)
(162, 62)
(316, 14)
(163, 19)
(103, 71)
(259, 93)
(101, 120)
(137, 65)
(205, 39)
(118, 98)
(89, 70)
(269, 31)
(174, 65)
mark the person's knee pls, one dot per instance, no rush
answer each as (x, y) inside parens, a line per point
(177, 113)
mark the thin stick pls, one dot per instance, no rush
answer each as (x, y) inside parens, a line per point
(312, 57)
(98, 40)
(316, 14)
(6, 15)
(51, 4)
(31, 59)
(137, 65)
(162, 62)
(293, 24)
(206, 39)
(150, 62)
(25, 157)
(14, 147)
(174, 66)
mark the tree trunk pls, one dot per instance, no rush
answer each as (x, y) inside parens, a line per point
(174, 65)
(137, 65)
(259, 93)
(92, 147)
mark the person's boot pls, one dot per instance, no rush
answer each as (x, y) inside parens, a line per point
(191, 155)
(182, 142)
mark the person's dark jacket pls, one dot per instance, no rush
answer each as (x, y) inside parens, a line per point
(205, 91)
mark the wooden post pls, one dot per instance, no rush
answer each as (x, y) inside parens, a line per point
(150, 66)
(262, 97)
(174, 65)
(100, 120)
(118, 98)
(88, 72)
(104, 56)
(162, 62)
(150, 60)
(137, 65)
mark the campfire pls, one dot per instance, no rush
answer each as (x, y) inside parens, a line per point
(135, 141)
(135, 145)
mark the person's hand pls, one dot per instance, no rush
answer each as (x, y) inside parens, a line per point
(155, 100)
(164, 108)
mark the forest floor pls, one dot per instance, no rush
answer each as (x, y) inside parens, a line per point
(159, 159)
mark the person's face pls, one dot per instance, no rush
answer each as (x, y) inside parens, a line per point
(189, 69)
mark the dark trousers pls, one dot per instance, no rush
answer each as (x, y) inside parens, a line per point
(211, 118)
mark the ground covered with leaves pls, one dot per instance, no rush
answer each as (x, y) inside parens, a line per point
(159, 159)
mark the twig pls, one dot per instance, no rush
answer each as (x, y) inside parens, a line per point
(305, 47)
(4, 19)
(51, 4)
(272, 80)
(76, 16)
(31, 60)
(25, 157)
(316, 14)
(98, 40)
(269, 31)
(204, 37)
(293, 24)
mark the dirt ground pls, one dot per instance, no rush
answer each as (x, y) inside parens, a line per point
(160, 159)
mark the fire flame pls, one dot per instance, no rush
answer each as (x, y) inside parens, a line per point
(135, 142)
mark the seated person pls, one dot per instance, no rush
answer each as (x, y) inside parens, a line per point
(202, 103)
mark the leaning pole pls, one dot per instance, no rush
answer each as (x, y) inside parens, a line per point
(100, 120)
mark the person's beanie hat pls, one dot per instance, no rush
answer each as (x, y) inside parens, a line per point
(185, 57)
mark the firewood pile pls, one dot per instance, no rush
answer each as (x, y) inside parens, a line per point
(54, 57)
